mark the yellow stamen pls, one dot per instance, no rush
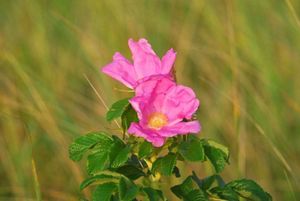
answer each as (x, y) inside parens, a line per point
(157, 120)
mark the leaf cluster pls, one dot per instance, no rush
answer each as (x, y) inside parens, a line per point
(131, 168)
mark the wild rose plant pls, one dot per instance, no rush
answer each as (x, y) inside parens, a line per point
(159, 134)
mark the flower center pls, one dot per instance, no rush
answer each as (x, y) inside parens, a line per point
(157, 120)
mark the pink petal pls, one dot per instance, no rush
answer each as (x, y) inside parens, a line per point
(142, 107)
(190, 102)
(161, 83)
(137, 103)
(180, 129)
(160, 94)
(122, 70)
(183, 102)
(146, 47)
(147, 134)
(146, 95)
(145, 61)
(167, 61)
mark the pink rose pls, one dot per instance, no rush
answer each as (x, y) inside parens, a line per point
(145, 63)
(164, 110)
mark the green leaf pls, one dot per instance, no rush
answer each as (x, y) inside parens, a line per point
(154, 194)
(249, 189)
(145, 149)
(225, 193)
(127, 190)
(196, 195)
(189, 191)
(128, 116)
(100, 178)
(114, 156)
(134, 160)
(115, 198)
(208, 182)
(165, 165)
(116, 147)
(218, 146)
(183, 189)
(117, 109)
(97, 161)
(83, 143)
(217, 154)
(192, 149)
(121, 158)
(104, 192)
(131, 172)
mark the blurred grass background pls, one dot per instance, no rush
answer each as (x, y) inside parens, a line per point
(242, 57)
